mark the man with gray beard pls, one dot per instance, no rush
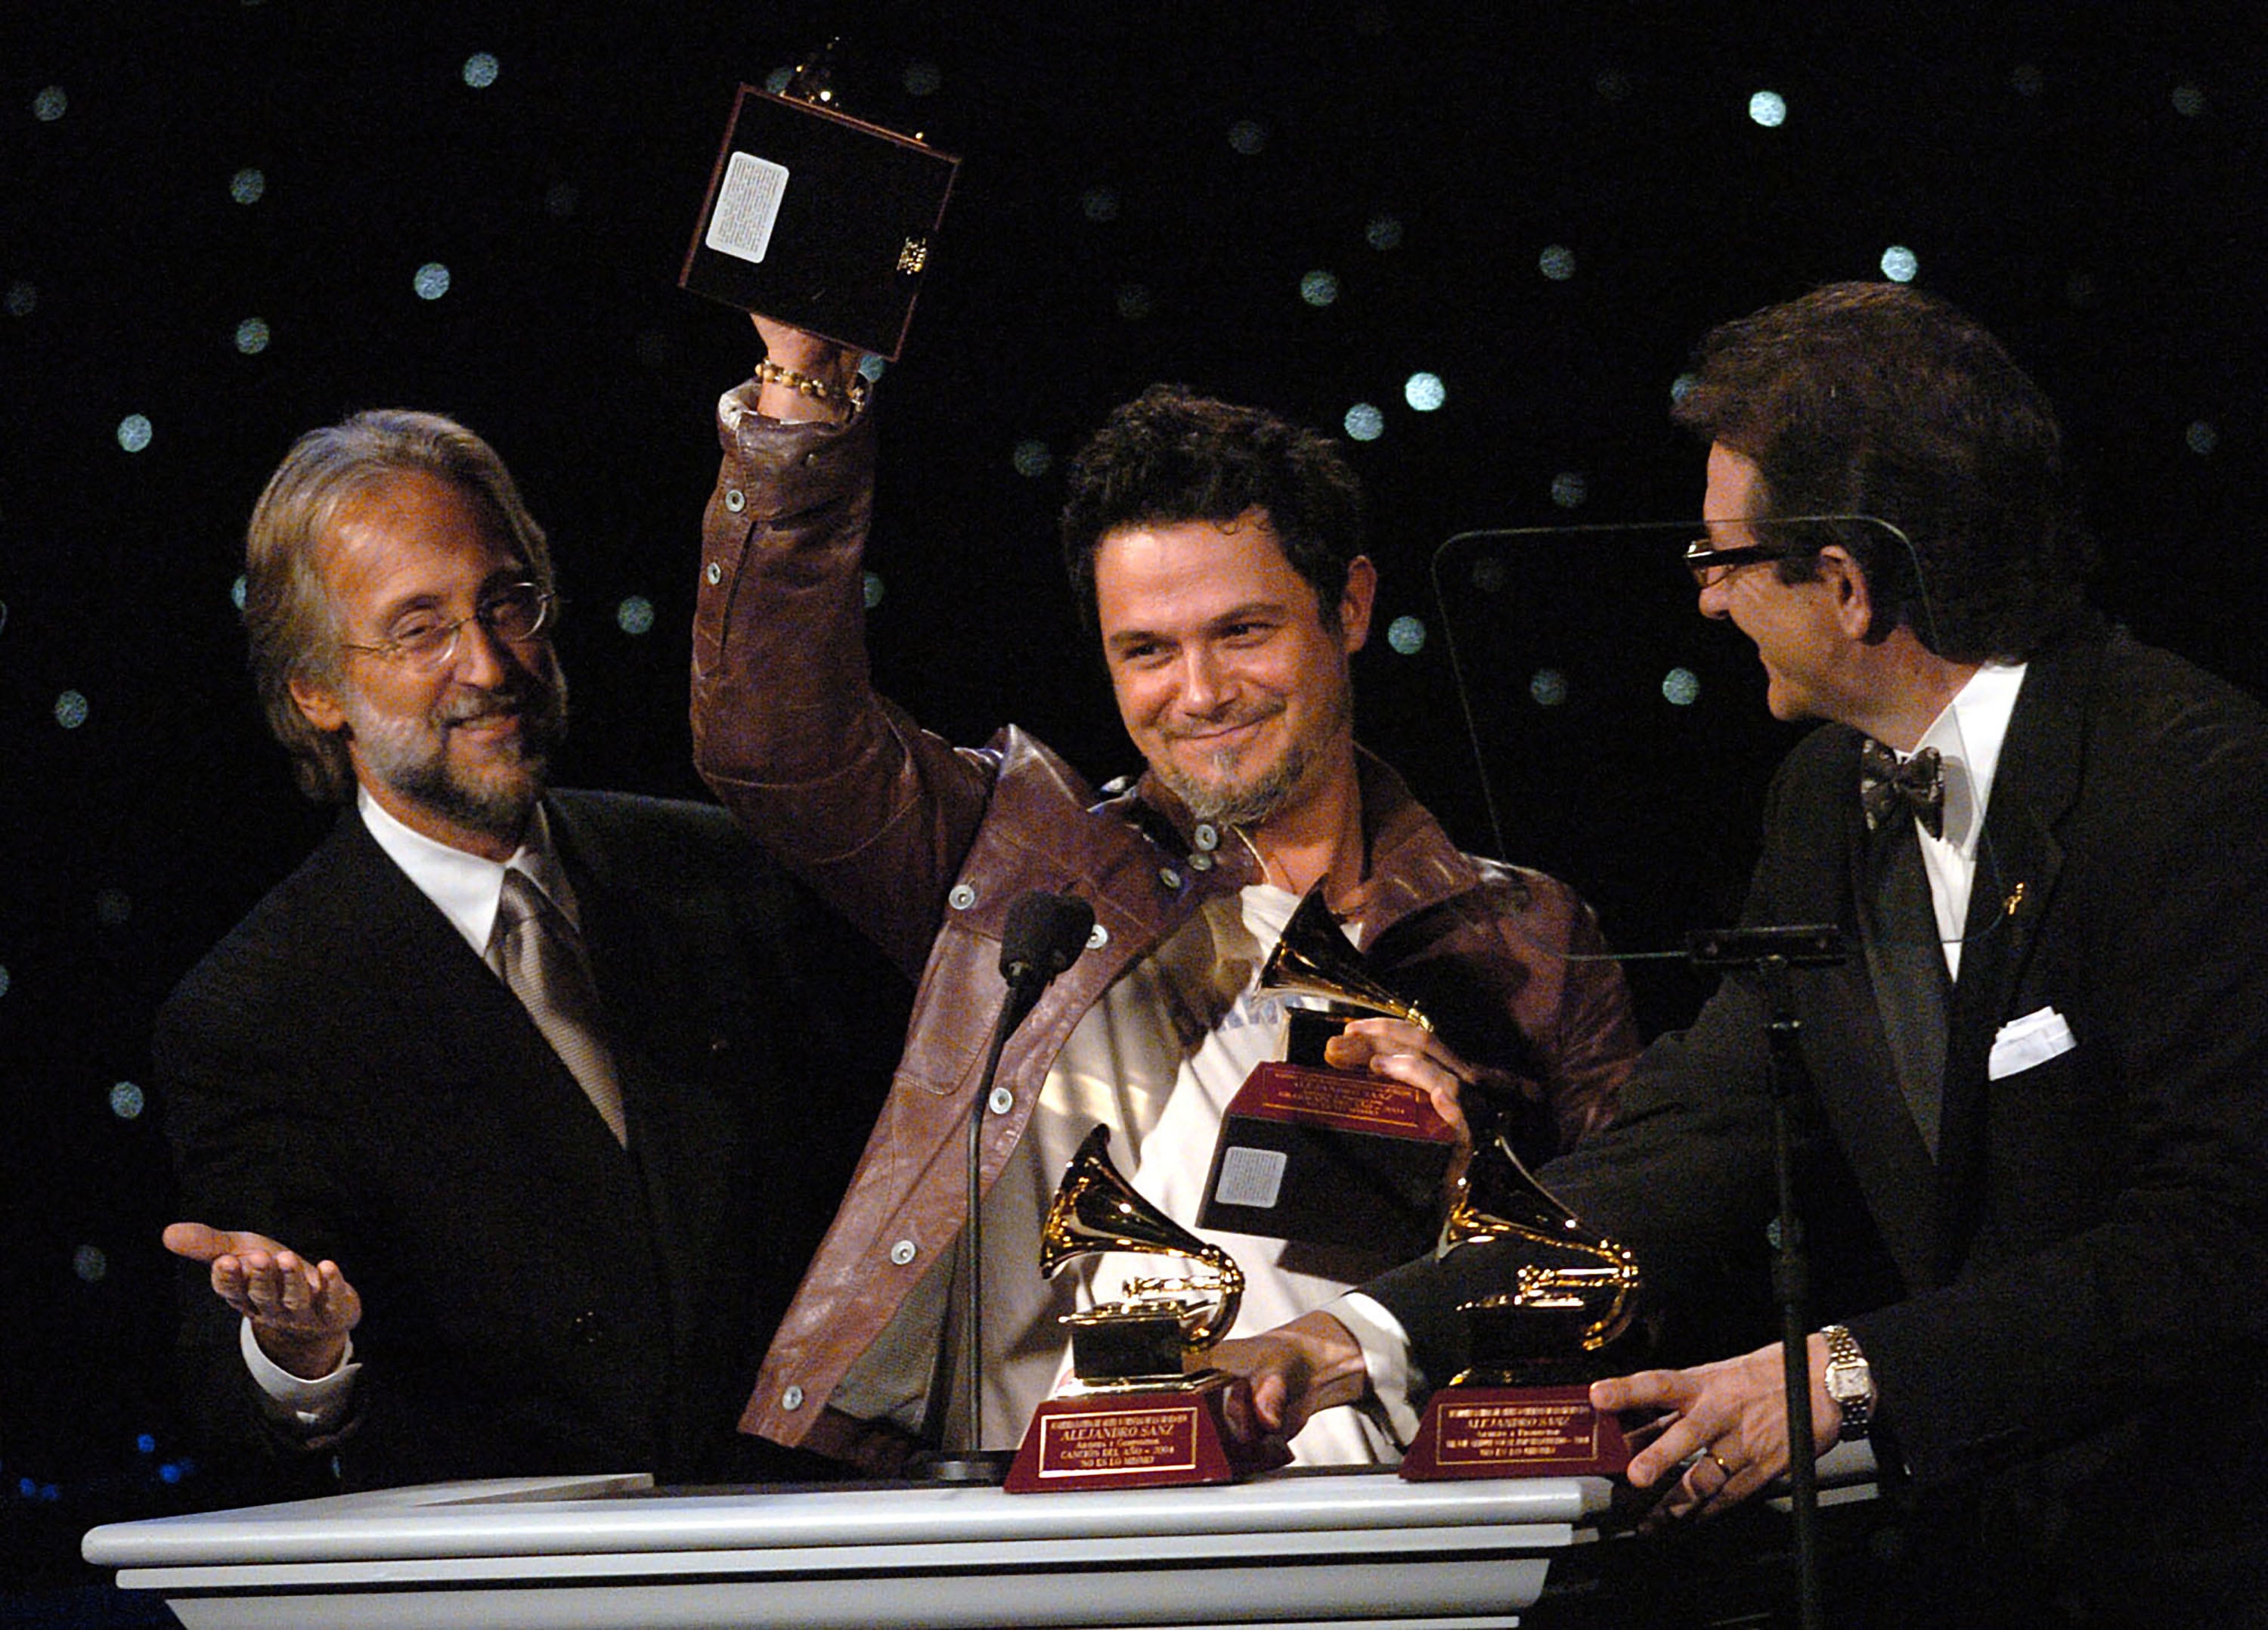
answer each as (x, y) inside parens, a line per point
(1216, 552)
(484, 1097)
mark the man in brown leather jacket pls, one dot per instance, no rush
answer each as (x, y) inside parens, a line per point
(1216, 551)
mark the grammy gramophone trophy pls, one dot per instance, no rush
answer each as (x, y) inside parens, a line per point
(1134, 1414)
(818, 220)
(1521, 1406)
(1328, 1157)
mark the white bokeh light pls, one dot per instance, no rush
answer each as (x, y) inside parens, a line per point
(1768, 108)
(1364, 422)
(1424, 392)
(1900, 264)
(432, 281)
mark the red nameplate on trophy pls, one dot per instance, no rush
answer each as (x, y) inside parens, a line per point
(1476, 1432)
(1170, 1438)
(818, 220)
(1331, 1157)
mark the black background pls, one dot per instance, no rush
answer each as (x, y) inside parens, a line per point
(2086, 178)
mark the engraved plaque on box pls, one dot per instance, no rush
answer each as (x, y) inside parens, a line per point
(1145, 1438)
(1478, 1432)
(818, 220)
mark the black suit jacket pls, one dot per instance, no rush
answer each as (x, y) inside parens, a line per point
(343, 1073)
(2067, 1311)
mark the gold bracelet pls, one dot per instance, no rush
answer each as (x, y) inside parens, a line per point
(770, 373)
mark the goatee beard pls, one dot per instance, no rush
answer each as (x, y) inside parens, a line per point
(1230, 802)
(496, 803)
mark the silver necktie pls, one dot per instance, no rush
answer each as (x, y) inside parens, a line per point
(535, 949)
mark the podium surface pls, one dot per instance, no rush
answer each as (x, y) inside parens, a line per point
(1290, 1549)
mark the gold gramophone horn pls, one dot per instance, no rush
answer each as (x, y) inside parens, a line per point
(1096, 1210)
(1313, 958)
(1496, 1200)
(1499, 1202)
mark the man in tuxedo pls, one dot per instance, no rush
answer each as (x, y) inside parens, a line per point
(512, 1106)
(2034, 1159)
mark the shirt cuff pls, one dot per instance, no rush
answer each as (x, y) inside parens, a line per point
(311, 1407)
(1385, 1357)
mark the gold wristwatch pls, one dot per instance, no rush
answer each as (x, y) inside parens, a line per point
(1850, 1382)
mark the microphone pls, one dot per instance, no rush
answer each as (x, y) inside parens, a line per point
(1043, 935)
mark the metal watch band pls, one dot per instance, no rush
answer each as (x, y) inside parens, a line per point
(1849, 1382)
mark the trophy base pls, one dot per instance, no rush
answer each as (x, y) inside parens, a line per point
(1167, 1434)
(1330, 1157)
(1478, 1432)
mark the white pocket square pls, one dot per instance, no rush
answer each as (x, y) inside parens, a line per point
(2031, 1040)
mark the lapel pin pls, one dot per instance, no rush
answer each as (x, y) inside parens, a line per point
(2015, 899)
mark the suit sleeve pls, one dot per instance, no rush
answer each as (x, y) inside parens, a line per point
(252, 1149)
(1682, 1175)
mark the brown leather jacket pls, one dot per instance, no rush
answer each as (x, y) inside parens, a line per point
(924, 845)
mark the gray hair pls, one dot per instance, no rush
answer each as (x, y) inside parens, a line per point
(287, 607)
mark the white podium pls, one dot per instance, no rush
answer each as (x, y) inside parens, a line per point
(1288, 1550)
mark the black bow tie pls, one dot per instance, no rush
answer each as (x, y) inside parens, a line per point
(1918, 784)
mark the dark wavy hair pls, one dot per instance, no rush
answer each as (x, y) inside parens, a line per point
(1877, 399)
(1171, 456)
(287, 609)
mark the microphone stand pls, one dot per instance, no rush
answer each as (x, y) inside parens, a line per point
(976, 1463)
(1043, 936)
(1770, 953)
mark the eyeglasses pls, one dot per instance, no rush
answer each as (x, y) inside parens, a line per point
(1709, 564)
(513, 613)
